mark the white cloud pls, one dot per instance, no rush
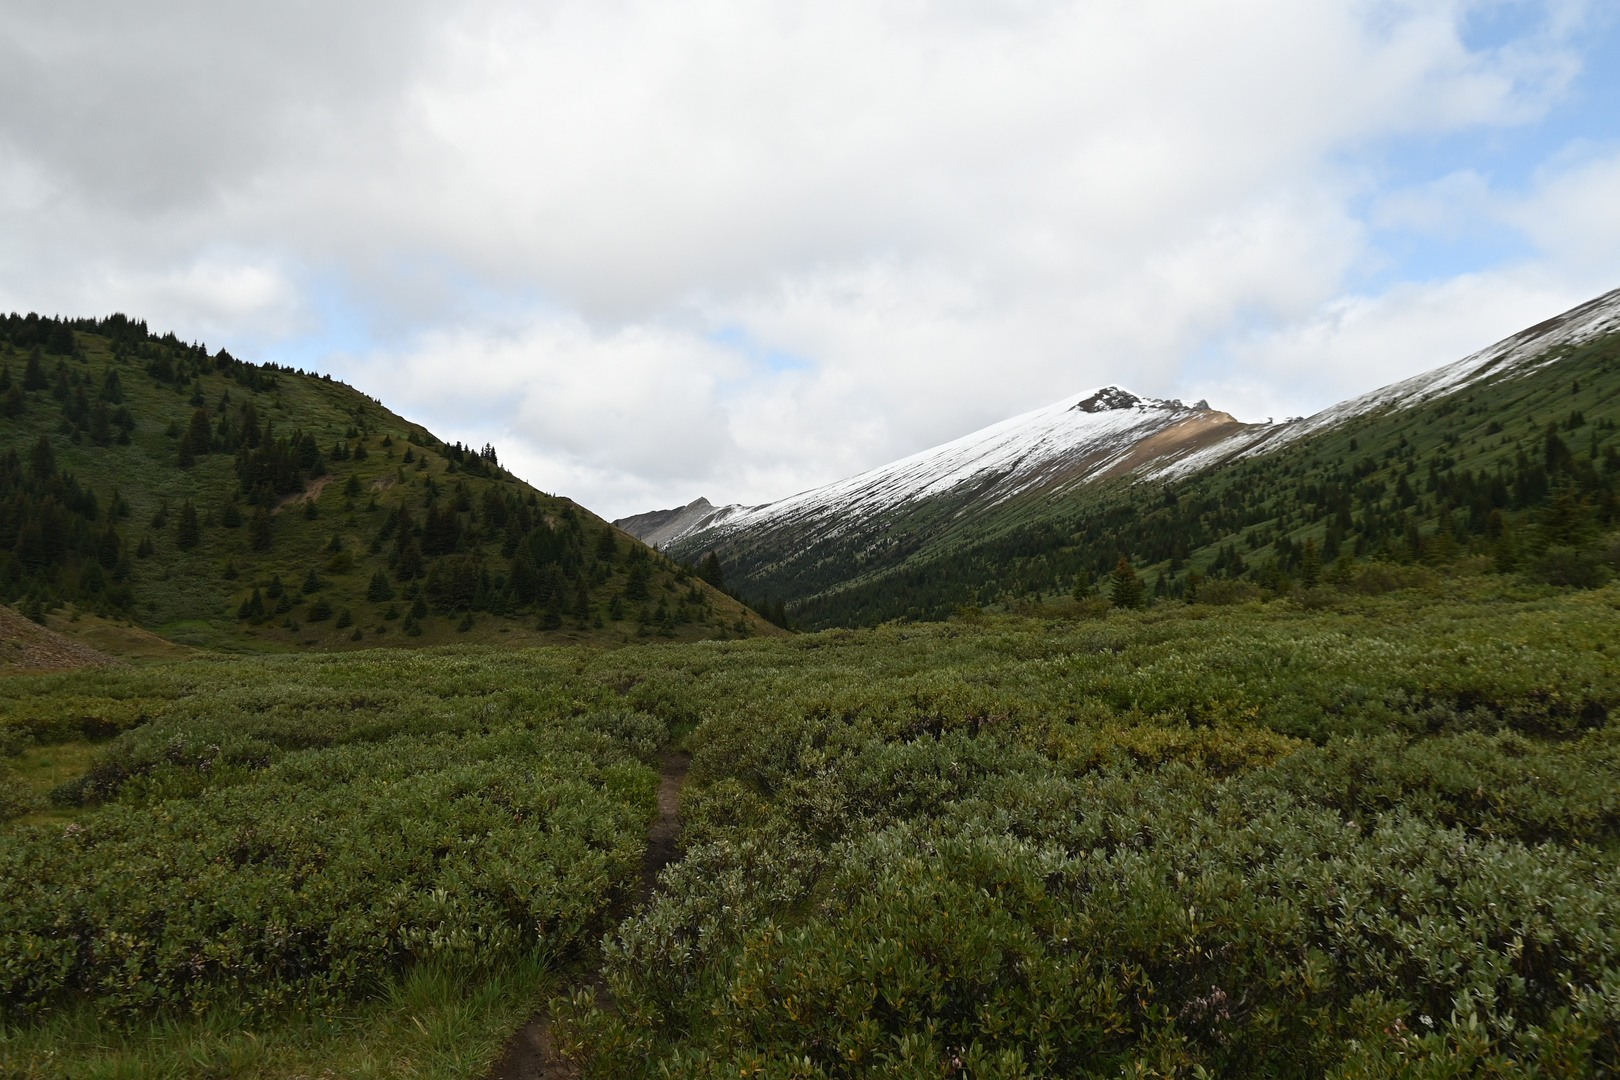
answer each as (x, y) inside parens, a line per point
(559, 219)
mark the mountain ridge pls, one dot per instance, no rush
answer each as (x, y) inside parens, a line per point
(1087, 436)
(1072, 478)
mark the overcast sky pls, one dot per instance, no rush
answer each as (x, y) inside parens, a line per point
(736, 248)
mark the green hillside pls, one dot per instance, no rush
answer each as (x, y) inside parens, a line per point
(1519, 469)
(238, 506)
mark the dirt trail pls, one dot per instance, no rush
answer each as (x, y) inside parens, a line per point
(528, 1055)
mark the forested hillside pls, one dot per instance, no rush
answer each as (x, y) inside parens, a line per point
(234, 505)
(1519, 468)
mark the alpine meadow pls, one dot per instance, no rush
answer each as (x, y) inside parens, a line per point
(1119, 739)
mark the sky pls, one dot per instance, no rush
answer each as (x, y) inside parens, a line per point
(658, 249)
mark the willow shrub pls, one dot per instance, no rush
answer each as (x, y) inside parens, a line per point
(331, 870)
(1375, 842)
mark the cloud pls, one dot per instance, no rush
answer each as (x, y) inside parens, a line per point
(589, 227)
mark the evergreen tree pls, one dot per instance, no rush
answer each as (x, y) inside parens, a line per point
(1310, 564)
(200, 433)
(189, 532)
(34, 373)
(42, 459)
(410, 566)
(230, 517)
(635, 584)
(710, 570)
(379, 590)
(607, 545)
(259, 533)
(252, 607)
(552, 619)
(525, 579)
(582, 602)
(1125, 587)
(312, 582)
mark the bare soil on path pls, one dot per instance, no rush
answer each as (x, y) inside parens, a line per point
(528, 1055)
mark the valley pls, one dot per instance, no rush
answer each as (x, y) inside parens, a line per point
(1120, 738)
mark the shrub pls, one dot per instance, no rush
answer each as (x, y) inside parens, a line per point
(1579, 568)
(1222, 592)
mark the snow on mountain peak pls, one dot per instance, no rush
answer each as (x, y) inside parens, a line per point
(1112, 398)
(1100, 432)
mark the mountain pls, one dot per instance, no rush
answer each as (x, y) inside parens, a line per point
(1053, 498)
(1042, 454)
(240, 506)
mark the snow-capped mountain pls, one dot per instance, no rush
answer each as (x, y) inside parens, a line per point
(1513, 357)
(1036, 471)
(1099, 433)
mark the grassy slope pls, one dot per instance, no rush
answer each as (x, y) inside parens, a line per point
(186, 596)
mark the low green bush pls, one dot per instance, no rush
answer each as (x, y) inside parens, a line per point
(331, 870)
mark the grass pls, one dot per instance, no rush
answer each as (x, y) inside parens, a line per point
(432, 1025)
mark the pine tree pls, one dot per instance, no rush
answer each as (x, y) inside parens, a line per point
(1310, 564)
(34, 373)
(409, 567)
(710, 570)
(635, 584)
(230, 517)
(42, 459)
(1126, 587)
(259, 534)
(189, 533)
(252, 607)
(200, 433)
(312, 582)
(582, 602)
(379, 590)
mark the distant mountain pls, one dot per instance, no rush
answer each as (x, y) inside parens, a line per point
(1088, 437)
(241, 506)
(1042, 500)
